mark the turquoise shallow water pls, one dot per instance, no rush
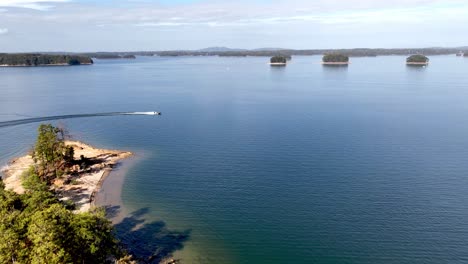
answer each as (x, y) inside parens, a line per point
(302, 164)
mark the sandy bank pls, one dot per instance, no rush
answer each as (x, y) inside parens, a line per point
(417, 63)
(43, 65)
(82, 184)
(335, 63)
(277, 63)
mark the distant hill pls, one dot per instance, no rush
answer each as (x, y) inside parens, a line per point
(269, 49)
(225, 49)
(220, 49)
(270, 52)
(358, 52)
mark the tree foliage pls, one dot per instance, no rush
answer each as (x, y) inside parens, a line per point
(28, 59)
(335, 57)
(417, 59)
(50, 152)
(36, 227)
(278, 59)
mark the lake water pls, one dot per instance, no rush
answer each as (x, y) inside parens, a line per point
(257, 164)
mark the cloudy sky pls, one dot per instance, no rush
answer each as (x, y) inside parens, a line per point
(118, 25)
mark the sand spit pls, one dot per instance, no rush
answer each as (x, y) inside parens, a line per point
(82, 184)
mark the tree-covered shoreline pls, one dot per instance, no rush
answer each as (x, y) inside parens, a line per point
(37, 227)
(33, 59)
(335, 58)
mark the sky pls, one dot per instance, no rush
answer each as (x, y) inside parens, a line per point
(150, 25)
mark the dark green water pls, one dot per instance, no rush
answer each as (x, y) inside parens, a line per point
(302, 164)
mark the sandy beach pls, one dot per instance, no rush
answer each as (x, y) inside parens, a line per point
(80, 188)
(418, 63)
(335, 63)
(109, 193)
(278, 64)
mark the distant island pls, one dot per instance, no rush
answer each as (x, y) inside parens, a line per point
(109, 55)
(30, 59)
(270, 52)
(279, 60)
(417, 60)
(76, 58)
(335, 59)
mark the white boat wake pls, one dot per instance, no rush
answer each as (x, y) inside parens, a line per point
(142, 113)
(60, 117)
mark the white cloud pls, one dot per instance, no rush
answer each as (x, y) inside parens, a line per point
(303, 23)
(3, 31)
(220, 18)
(31, 4)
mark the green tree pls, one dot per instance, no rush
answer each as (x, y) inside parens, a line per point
(278, 59)
(335, 57)
(35, 227)
(417, 59)
(51, 235)
(31, 59)
(93, 238)
(50, 152)
(74, 61)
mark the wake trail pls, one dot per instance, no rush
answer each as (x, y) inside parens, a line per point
(59, 117)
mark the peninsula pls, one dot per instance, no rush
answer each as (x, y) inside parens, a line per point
(45, 204)
(81, 178)
(33, 59)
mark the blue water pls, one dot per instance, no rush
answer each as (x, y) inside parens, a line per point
(302, 164)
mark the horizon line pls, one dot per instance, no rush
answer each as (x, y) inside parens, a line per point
(242, 49)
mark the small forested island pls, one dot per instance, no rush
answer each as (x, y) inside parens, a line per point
(30, 59)
(335, 59)
(417, 60)
(278, 61)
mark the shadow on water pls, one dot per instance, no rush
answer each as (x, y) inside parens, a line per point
(416, 68)
(112, 211)
(335, 72)
(149, 242)
(335, 67)
(277, 72)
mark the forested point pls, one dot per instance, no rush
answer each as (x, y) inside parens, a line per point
(335, 57)
(37, 227)
(417, 59)
(109, 55)
(26, 59)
